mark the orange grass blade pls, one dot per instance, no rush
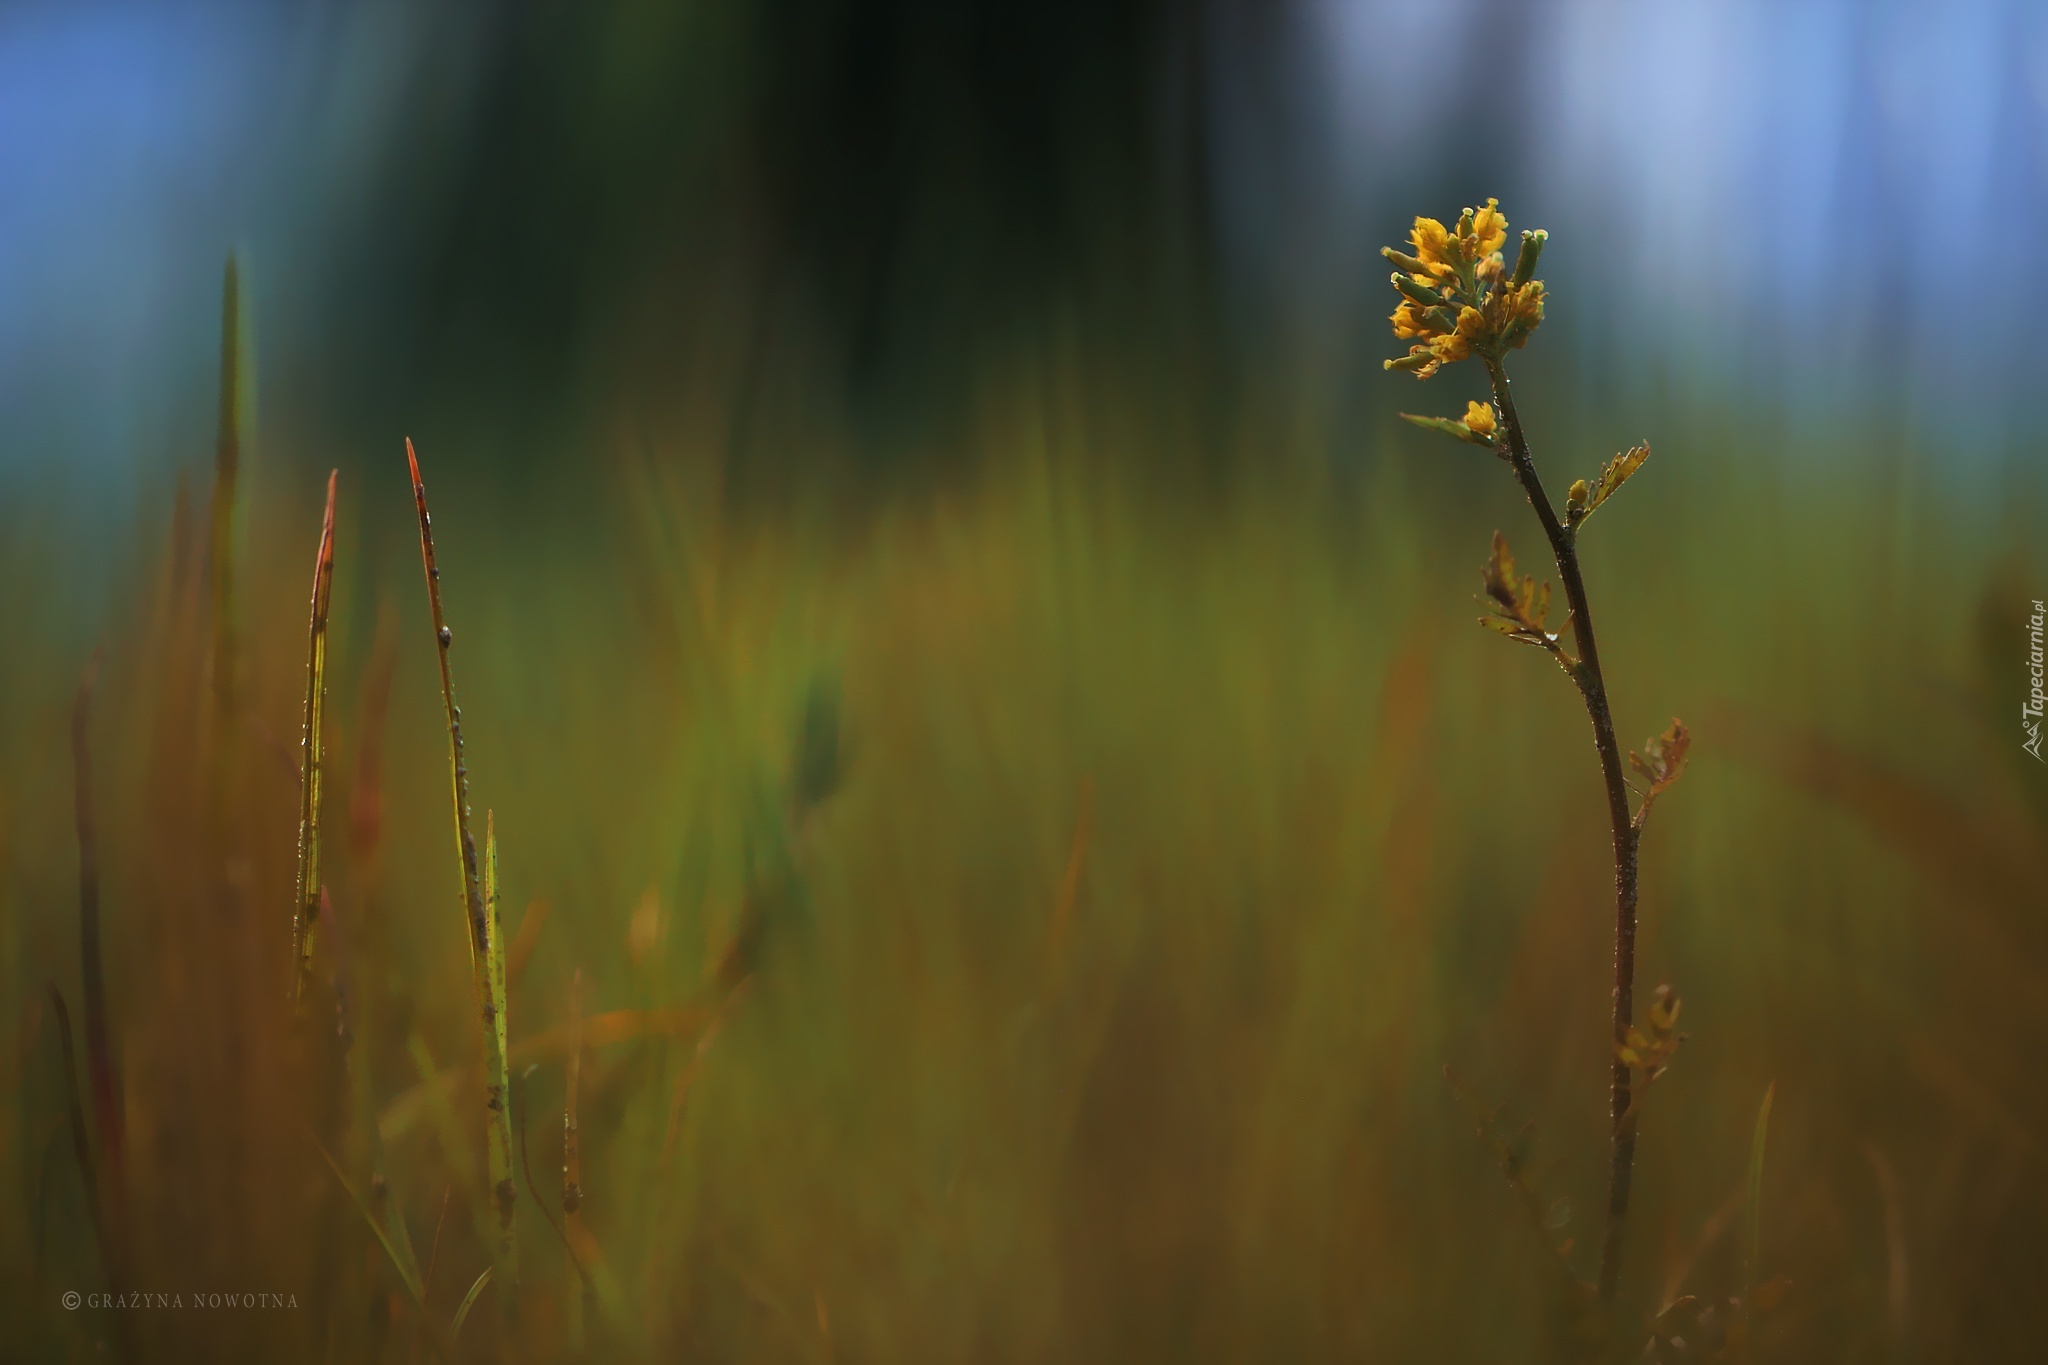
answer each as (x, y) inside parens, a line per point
(521, 951)
(306, 914)
(599, 1030)
(1070, 881)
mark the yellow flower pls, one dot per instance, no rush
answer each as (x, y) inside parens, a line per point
(1521, 308)
(1490, 229)
(1457, 298)
(1432, 245)
(1479, 417)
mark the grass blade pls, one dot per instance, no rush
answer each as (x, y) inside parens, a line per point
(99, 1056)
(227, 467)
(81, 1145)
(486, 958)
(407, 1276)
(356, 1064)
(444, 1346)
(572, 1141)
(306, 914)
(110, 1260)
(497, 1079)
(1753, 1213)
(468, 1301)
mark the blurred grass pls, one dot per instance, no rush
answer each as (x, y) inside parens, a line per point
(1335, 838)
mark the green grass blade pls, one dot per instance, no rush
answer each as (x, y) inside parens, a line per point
(479, 902)
(468, 1301)
(406, 1274)
(306, 915)
(497, 1079)
(444, 1346)
(355, 1064)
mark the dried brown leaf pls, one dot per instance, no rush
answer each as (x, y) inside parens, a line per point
(1584, 500)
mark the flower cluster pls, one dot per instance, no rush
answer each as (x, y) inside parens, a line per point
(1457, 296)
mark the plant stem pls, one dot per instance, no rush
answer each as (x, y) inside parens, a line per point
(1593, 687)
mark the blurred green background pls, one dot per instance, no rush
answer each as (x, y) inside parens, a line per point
(970, 671)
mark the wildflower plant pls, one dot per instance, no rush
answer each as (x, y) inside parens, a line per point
(1460, 301)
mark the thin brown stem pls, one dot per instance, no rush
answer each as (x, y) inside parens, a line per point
(111, 1259)
(1593, 687)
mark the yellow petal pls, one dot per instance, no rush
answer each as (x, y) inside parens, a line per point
(1490, 227)
(1479, 417)
(1432, 241)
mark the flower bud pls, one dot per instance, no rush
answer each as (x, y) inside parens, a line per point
(1418, 290)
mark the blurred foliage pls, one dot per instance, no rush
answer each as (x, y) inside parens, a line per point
(998, 799)
(1028, 916)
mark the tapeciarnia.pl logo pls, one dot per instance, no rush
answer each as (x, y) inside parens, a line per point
(2030, 714)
